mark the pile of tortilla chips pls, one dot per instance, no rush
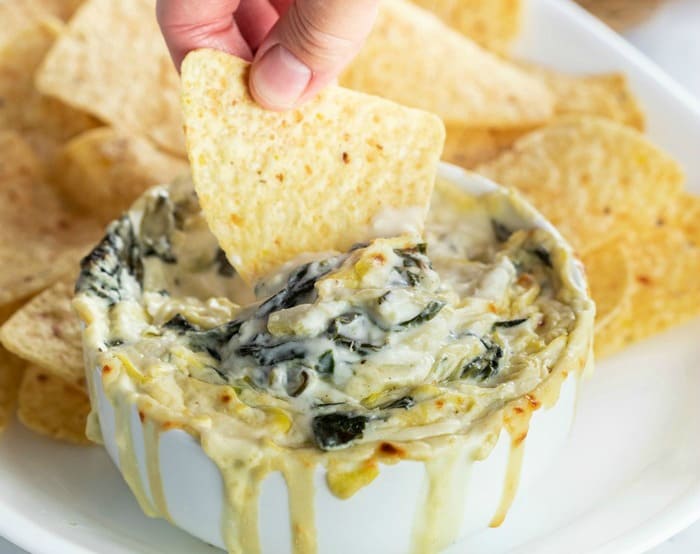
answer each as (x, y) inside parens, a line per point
(90, 117)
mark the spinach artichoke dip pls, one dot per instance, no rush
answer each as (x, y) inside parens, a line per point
(400, 349)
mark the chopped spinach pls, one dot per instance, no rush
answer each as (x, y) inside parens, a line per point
(300, 285)
(485, 365)
(224, 268)
(214, 340)
(500, 231)
(269, 351)
(414, 264)
(326, 363)
(179, 323)
(336, 430)
(428, 313)
(117, 258)
(510, 323)
(543, 254)
(345, 329)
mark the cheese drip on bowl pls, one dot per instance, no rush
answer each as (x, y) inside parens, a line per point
(390, 351)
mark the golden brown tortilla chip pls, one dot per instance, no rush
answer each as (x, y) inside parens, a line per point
(592, 178)
(413, 58)
(42, 238)
(605, 95)
(104, 170)
(470, 147)
(112, 62)
(51, 407)
(63, 9)
(47, 333)
(609, 273)
(666, 289)
(274, 185)
(22, 107)
(11, 371)
(492, 24)
(621, 14)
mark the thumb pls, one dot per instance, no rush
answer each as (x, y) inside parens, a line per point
(307, 48)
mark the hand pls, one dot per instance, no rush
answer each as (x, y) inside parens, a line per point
(297, 46)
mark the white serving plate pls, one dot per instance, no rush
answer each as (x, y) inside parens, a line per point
(628, 478)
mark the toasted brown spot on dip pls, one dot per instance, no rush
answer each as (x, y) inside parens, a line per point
(520, 438)
(106, 369)
(142, 416)
(534, 402)
(389, 449)
(346, 158)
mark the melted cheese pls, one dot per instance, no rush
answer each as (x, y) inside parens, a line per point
(396, 344)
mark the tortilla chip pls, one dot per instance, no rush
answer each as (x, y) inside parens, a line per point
(684, 213)
(11, 371)
(470, 147)
(63, 9)
(22, 107)
(51, 407)
(493, 24)
(274, 185)
(41, 237)
(6, 310)
(666, 288)
(621, 14)
(13, 13)
(605, 95)
(104, 171)
(18, 161)
(46, 332)
(592, 178)
(112, 62)
(413, 58)
(609, 273)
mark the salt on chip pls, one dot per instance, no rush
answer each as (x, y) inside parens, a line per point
(112, 62)
(413, 58)
(605, 95)
(609, 273)
(47, 333)
(42, 238)
(22, 107)
(492, 24)
(592, 178)
(50, 406)
(105, 170)
(666, 289)
(274, 185)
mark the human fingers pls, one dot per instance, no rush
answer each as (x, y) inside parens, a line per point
(187, 25)
(307, 48)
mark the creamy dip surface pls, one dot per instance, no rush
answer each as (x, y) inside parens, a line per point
(402, 348)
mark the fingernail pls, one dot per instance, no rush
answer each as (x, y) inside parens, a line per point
(279, 78)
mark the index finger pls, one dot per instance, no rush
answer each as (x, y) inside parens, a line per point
(188, 25)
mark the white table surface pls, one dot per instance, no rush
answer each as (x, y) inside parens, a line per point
(672, 39)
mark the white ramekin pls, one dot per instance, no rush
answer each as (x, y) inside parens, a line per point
(380, 517)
